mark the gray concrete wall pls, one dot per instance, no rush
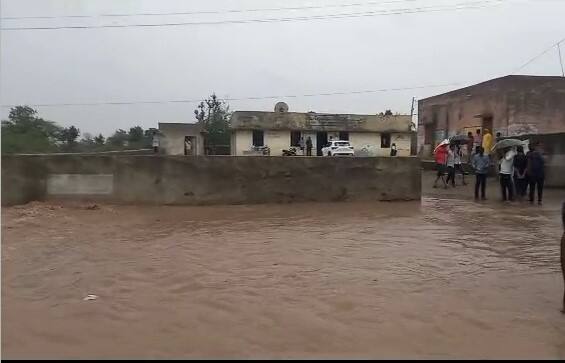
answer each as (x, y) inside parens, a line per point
(208, 180)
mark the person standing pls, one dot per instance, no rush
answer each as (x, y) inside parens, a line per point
(506, 171)
(187, 146)
(393, 150)
(487, 141)
(480, 164)
(470, 146)
(520, 168)
(441, 161)
(155, 143)
(478, 139)
(309, 146)
(535, 172)
(301, 145)
(451, 165)
(458, 163)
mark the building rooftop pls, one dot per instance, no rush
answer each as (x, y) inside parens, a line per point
(313, 121)
(188, 128)
(510, 81)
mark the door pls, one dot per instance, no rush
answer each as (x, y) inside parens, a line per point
(321, 141)
(487, 123)
(190, 145)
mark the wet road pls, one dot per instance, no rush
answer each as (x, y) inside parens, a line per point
(444, 278)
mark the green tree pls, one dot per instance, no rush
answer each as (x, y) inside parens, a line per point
(69, 136)
(139, 138)
(135, 134)
(87, 143)
(214, 115)
(99, 140)
(25, 132)
(118, 139)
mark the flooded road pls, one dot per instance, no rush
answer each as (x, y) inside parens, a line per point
(444, 278)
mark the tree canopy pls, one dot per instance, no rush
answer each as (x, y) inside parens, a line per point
(26, 132)
(214, 114)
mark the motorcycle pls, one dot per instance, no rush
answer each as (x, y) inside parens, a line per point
(289, 152)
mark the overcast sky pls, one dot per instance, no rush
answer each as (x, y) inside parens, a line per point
(239, 60)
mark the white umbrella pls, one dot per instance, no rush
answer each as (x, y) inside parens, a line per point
(442, 144)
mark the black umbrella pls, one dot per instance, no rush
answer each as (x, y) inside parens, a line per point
(459, 138)
(507, 143)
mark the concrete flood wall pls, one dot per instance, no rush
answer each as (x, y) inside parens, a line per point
(208, 179)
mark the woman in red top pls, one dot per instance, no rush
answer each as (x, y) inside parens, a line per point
(441, 161)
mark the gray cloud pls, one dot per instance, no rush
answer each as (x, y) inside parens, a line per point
(240, 60)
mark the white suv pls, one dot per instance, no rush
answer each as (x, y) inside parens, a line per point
(338, 148)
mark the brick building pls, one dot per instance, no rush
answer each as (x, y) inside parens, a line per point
(511, 105)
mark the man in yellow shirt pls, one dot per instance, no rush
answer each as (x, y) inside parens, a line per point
(487, 141)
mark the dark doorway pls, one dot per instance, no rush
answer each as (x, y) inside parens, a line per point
(321, 141)
(189, 145)
(295, 138)
(258, 138)
(487, 123)
(385, 141)
(344, 136)
(429, 133)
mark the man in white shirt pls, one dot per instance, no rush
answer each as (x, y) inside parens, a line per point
(155, 143)
(451, 165)
(187, 146)
(506, 171)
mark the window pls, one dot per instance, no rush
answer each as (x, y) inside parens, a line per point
(385, 141)
(295, 138)
(258, 138)
(344, 135)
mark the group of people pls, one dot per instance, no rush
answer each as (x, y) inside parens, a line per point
(516, 170)
(305, 145)
(448, 161)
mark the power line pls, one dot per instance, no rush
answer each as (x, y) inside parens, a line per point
(538, 56)
(237, 99)
(461, 6)
(205, 12)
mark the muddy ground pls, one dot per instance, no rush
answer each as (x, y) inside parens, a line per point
(447, 277)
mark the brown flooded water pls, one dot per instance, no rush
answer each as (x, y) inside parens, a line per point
(444, 278)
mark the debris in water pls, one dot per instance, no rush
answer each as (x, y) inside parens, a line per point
(90, 297)
(92, 207)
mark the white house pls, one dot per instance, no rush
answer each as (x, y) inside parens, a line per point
(181, 138)
(281, 130)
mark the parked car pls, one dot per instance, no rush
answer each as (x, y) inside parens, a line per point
(338, 148)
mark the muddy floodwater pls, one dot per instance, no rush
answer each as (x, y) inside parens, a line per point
(446, 277)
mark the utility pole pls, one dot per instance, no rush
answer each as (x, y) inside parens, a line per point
(412, 111)
(560, 59)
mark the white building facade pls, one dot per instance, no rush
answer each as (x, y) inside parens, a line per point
(370, 135)
(181, 139)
